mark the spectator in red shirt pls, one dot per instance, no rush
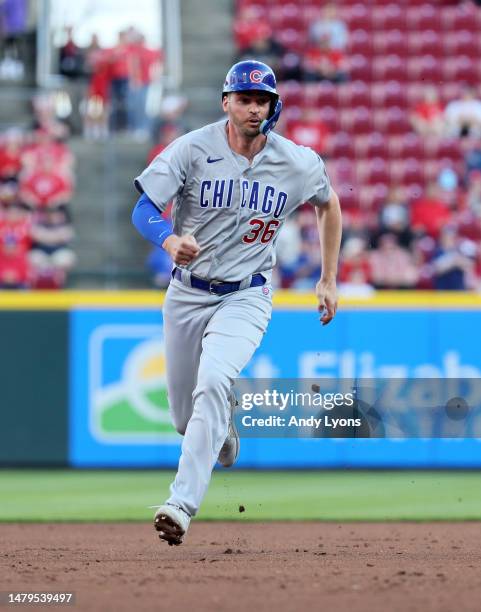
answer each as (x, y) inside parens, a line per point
(430, 213)
(322, 63)
(15, 241)
(427, 117)
(308, 131)
(45, 186)
(144, 66)
(11, 155)
(248, 28)
(119, 82)
(43, 146)
(392, 267)
(355, 267)
(95, 107)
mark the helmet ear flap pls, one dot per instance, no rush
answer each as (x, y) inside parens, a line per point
(268, 124)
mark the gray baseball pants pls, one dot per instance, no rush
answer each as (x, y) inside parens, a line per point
(209, 339)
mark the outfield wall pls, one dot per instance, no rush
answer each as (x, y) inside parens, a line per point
(83, 375)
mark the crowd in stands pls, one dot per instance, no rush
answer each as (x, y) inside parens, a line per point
(36, 186)
(388, 94)
(118, 81)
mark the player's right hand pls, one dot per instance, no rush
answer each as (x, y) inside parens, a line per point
(182, 249)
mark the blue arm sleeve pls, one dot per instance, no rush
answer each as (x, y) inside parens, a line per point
(148, 221)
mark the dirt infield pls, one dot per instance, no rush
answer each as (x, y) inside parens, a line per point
(250, 566)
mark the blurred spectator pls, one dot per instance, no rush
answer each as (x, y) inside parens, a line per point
(71, 59)
(355, 267)
(45, 118)
(392, 266)
(430, 213)
(45, 186)
(11, 155)
(463, 116)
(144, 66)
(170, 116)
(427, 117)
(15, 241)
(308, 131)
(51, 256)
(95, 108)
(322, 63)
(249, 29)
(41, 147)
(118, 59)
(170, 132)
(330, 27)
(451, 264)
(394, 219)
(13, 27)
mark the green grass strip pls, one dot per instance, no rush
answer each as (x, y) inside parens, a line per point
(70, 495)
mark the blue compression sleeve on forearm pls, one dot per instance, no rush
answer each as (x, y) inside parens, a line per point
(148, 221)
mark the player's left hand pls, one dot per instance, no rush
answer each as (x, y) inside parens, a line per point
(326, 292)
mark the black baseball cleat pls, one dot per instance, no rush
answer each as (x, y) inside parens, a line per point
(171, 522)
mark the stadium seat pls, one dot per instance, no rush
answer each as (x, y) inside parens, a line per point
(463, 42)
(375, 145)
(426, 69)
(360, 68)
(292, 93)
(423, 17)
(320, 94)
(358, 17)
(461, 69)
(389, 68)
(427, 42)
(356, 93)
(396, 121)
(389, 17)
(292, 39)
(361, 41)
(342, 145)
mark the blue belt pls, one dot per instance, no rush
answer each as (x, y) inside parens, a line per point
(218, 287)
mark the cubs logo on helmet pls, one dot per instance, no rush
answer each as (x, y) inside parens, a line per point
(256, 76)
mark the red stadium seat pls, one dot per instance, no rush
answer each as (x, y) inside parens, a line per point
(358, 17)
(465, 16)
(411, 171)
(389, 68)
(412, 146)
(292, 93)
(320, 94)
(329, 116)
(361, 41)
(423, 17)
(389, 17)
(375, 146)
(377, 171)
(395, 94)
(356, 93)
(460, 69)
(396, 121)
(463, 42)
(292, 40)
(360, 68)
(342, 145)
(426, 68)
(428, 42)
(393, 42)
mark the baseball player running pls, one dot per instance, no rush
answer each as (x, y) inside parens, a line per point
(234, 182)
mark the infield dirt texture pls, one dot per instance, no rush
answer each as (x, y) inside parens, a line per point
(250, 567)
(250, 563)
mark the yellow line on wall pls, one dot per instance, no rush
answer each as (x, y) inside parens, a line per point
(64, 300)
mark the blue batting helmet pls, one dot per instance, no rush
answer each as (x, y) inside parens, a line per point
(251, 75)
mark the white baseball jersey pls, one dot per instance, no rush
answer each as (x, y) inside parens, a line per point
(234, 210)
